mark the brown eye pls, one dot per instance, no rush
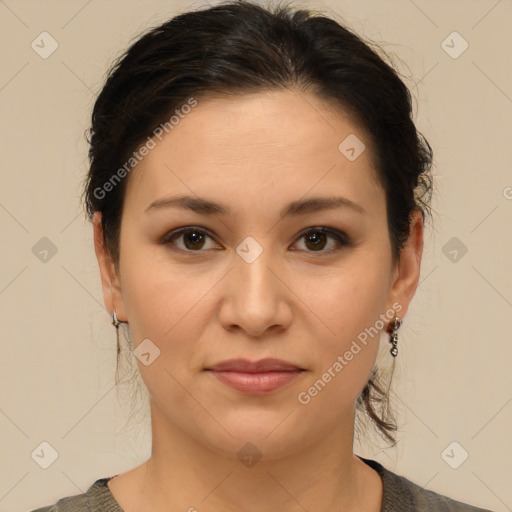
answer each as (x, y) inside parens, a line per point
(316, 239)
(193, 239)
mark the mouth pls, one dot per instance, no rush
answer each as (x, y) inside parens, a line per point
(255, 378)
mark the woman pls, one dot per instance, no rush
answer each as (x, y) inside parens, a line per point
(258, 190)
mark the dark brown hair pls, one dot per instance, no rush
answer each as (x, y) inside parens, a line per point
(239, 47)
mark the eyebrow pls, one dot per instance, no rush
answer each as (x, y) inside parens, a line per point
(300, 207)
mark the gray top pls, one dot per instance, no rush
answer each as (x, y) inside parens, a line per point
(399, 495)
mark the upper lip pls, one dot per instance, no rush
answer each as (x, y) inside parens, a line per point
(263, 365)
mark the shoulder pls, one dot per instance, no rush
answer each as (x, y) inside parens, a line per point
(402, 495)
(96, 499)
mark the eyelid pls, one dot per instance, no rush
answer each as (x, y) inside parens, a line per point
(176, 233)
(340, 237)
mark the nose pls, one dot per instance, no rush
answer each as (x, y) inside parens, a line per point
(256, 295)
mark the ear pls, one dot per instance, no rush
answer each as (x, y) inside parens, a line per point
(407, 273)
(110, 283)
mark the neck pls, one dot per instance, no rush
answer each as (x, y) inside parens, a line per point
(185, 474)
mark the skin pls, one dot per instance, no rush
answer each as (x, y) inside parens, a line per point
(297, 301)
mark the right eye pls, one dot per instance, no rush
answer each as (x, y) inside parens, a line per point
(193, 239)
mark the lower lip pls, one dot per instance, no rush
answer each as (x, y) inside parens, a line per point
(256, 383)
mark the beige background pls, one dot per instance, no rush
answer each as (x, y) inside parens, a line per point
(58, 347)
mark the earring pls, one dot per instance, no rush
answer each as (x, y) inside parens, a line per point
(115, 323)
(393, 338)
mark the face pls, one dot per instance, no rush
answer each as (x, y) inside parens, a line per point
(256, 278)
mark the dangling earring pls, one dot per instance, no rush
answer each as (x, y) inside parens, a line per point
(393, 338)
(115, 323)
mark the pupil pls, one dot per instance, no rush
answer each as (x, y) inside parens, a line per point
(195, 237)
(315, 239)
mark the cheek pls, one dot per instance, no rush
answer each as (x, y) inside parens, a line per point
(160, 307)
(347, 317)
(166, 305)
(154, 294)
(165, 312)
(346, 301)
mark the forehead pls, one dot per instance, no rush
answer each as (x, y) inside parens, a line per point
(268, 143)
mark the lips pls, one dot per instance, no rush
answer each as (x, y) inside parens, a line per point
(255, 378)
(263, 365)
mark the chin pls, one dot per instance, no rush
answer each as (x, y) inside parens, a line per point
(257, 433)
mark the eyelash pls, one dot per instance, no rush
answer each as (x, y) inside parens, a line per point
(341, 238)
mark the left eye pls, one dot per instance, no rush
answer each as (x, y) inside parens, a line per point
(315, 238)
